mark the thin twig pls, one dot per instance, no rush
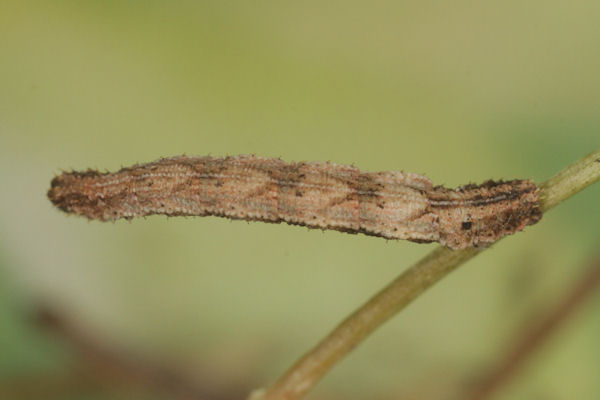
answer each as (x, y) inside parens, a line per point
(315, 364)
(534, 336)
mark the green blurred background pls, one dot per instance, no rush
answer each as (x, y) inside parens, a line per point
(460, 91)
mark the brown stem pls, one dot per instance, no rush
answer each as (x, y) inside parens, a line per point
(118, 371)
(534, 336)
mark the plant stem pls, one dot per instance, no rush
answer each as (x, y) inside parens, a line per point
(570, 180)
(315, 364)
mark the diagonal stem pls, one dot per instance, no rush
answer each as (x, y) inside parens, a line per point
(317, 362)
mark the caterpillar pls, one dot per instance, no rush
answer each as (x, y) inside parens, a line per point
(391, 205)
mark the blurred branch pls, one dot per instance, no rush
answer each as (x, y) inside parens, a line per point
(315, 364)
(101, 367)
(534, 336)
(61, 385)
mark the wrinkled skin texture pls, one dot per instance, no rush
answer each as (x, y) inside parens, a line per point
(392, 205)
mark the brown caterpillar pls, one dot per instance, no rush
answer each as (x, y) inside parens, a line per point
(392, 205)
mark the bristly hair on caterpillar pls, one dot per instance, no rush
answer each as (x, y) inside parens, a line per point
(392, 205)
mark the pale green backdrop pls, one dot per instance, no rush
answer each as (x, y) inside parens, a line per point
(460, 91)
